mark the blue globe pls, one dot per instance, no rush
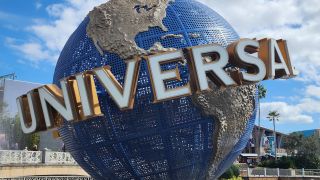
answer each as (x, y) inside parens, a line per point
(168, 140)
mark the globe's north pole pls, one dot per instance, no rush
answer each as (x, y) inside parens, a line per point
(193, 137)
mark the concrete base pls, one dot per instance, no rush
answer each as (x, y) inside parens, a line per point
(40, 170)
(281, 178)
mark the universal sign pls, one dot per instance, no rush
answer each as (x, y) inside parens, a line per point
(45, 107)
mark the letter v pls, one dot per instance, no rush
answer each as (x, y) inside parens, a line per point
(123, 96)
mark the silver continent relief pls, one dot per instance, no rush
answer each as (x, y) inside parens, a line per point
(113, 27)
(231, 108)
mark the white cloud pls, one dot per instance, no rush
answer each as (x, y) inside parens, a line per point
(38, 5)
(288, 113)
(301, 111)
(249, 16)
(313, 91)
(8, 16)
(50, 36)
(295, 20)
(309, 105)
(68, 16)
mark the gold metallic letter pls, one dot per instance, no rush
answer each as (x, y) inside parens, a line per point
(88, 100)
(240, 55)
(208, 60)
(55, 101)
(273, 59)
(30, 113)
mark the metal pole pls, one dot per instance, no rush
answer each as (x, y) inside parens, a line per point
(275, 138)
(259, 129)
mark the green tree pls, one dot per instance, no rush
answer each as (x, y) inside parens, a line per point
(293, 142)
(232, 173)
(5, 124)
(308, 154)
(3, 111)
(283, 163)
(262, 92)
(305, 153)
(274, 116)
(310, 146)
(12, 129)
(24, 140)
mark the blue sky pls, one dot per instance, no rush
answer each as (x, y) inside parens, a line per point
(32, 33)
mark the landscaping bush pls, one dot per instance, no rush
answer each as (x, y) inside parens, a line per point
(232, 173)
(296, 162)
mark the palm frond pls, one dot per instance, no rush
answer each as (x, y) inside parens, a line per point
(262, 91)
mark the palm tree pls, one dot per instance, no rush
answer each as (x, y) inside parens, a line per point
(262, 94)
(262, 91)
(274, 116)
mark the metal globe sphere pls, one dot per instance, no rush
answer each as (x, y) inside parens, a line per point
(185, 138)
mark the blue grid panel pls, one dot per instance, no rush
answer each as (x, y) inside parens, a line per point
(168, 140)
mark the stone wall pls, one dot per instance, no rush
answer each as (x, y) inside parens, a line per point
(281, 178)
(40, 170)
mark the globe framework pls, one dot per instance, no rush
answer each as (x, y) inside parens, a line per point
(169, 140)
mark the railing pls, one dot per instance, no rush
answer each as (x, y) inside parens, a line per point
(8, 76)
(10, 157)
(269, 172)
(20, 157)
(1, 84)
(53, 178)
(58, 158)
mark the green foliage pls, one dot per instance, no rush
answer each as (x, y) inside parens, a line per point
(295, 162)
(232, 173)
(5, 123)
(310, 146)
(228, 174)
(262, 91)
(3, 112)
(14, 134)
(293, 142)
(307, 161)
(283, 163)
(236, 170)
(286, 163)
(25, 140)
(305, 146)
(305, 153)
(273, 115)
(267, 163)
(308, 155)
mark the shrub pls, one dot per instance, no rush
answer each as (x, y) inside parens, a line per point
(235, 170)
(232, 173)
(300, 161)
